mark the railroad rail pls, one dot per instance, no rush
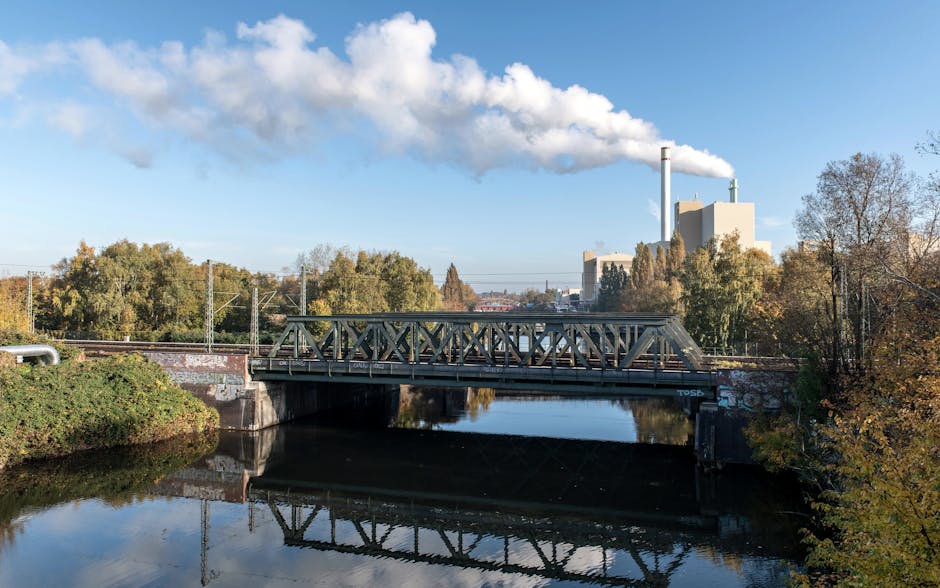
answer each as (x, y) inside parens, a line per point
(98, 348)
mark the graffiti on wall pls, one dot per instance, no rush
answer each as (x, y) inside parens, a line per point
(754, 390)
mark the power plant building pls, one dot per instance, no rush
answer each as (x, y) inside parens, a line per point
(698, 223)
(693, 220)
(594, 266)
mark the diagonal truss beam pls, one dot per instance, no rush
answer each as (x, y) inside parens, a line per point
(584, 341)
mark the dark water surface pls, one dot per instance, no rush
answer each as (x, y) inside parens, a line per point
(472, 489)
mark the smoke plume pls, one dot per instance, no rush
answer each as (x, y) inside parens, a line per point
(272, 91)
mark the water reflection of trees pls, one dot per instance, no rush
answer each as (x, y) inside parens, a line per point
(9, 531)
(659, 420)
(423, 408)
(478, 401)
(115, 476)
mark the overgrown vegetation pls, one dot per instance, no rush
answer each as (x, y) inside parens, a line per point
(864, 430)
(49, 411)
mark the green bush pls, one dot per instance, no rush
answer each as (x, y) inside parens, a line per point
(120, 400)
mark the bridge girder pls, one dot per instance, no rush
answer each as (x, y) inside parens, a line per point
(591, 350)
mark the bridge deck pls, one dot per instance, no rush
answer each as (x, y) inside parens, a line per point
(637, 382)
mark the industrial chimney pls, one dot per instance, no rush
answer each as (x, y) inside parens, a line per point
(733, 189)
(664, 202)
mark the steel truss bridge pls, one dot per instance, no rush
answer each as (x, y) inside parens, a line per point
(562, 548)
(622, 353)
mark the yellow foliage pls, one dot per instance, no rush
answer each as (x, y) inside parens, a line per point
(13, 315)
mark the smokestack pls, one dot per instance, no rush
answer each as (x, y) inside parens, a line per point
(664, 202)
(733, 189)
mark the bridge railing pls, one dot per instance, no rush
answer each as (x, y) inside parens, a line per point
(603, 341)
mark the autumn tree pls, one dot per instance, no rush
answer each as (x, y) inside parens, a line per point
(13, 315)
(656, 288)
(642, 270)
(859, 215)
(720, 283)
(375, 282)
(455, 293)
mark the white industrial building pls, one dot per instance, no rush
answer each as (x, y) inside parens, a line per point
(594, 266)
(698, 223)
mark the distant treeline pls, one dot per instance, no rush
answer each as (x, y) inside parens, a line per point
(157, 292)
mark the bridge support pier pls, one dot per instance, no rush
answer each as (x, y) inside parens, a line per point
(719, 436)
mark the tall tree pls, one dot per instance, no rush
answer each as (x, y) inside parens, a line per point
(675, 255)
(860, 213)
(455, 293)
(720, 283)
(642, 272)
(614, 281)
(659, 265)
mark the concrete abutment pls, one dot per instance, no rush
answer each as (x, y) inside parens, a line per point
(222, 381)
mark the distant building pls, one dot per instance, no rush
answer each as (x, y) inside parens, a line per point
(495, 305)
(698, 223)
(804, 246)
(594, 268)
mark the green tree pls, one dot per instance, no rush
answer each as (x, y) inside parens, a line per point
(455, 293)
(613, 283)
(68, 305)
(720, 284)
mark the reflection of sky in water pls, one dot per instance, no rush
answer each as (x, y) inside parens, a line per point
(598, 420)
(158, 542)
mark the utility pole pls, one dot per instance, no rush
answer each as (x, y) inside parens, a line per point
(303, 306)
(303, 290)
(30, 313)
(253, 338)
(210, 308)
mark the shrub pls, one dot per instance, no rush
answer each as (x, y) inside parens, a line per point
(119, 400)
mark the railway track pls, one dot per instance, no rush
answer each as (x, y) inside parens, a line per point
(96, 348)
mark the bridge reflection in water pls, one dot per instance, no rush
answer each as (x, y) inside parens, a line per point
(581, 511)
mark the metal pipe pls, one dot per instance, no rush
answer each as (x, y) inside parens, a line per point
(46, 351)
(665, 196)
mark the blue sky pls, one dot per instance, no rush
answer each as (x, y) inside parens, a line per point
(102, 137)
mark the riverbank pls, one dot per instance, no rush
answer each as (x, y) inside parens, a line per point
(48, 411)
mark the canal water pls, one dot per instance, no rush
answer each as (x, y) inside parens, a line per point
(448, 488)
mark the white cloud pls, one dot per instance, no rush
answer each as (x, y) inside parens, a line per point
(72, 118)
(270, 91)
(652, 207)
(13, 68)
